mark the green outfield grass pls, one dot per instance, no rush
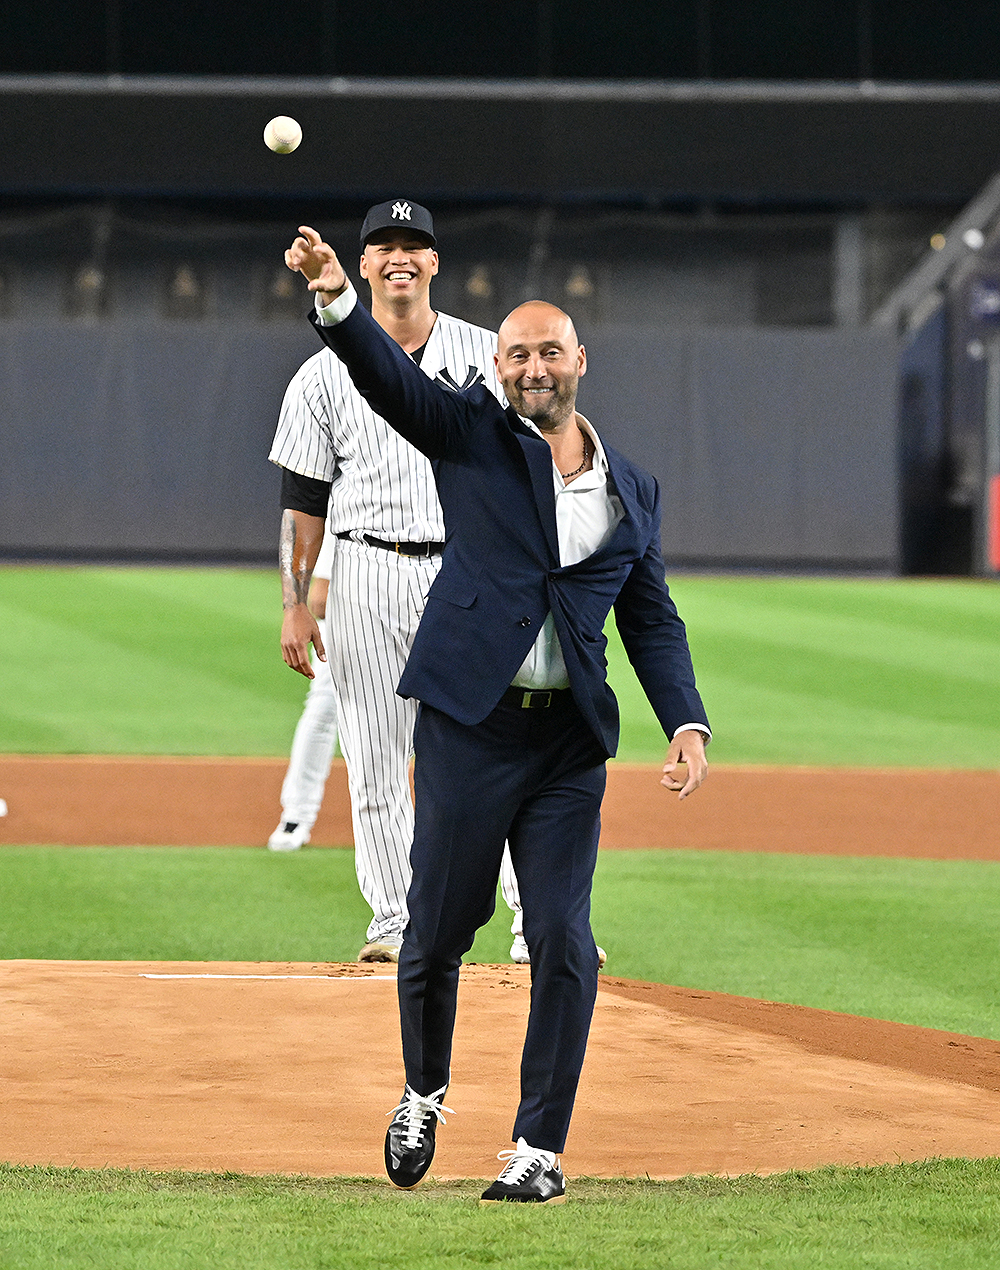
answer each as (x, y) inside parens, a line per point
(837, 671)
(143, 661)
(939, 1215)
(793, 670)
(908, 940)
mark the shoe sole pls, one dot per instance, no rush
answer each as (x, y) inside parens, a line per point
(556, 1199)
(378, 958)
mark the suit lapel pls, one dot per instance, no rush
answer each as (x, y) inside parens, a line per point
(538, 457)
(622, 484)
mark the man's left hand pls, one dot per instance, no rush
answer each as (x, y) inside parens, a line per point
(687, 748)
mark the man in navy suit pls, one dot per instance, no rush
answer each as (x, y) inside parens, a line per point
(547, 531)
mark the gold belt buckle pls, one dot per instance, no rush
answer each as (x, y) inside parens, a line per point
(526, 700)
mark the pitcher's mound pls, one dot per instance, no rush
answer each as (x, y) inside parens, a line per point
(281, 1068)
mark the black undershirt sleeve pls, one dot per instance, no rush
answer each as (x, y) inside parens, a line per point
(304, 493)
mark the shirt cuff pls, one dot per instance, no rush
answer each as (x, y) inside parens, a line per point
(694, 727)
(336, 312)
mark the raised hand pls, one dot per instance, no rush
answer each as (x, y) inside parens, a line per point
(318, 264)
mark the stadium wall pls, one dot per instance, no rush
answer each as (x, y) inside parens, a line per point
(774, 448)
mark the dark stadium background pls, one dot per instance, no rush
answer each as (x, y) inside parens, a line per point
(894, 40)
(774, 224)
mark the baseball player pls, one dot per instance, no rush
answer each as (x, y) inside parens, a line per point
(315, 733)
(344, 466)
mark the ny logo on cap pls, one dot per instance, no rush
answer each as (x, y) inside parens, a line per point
(401, 211)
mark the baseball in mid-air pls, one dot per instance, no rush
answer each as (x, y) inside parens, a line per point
(282, 135)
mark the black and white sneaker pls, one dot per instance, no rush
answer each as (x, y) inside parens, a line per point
(409, 1142)
(530, 1176)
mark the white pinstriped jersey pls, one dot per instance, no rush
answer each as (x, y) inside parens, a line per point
(380, 483)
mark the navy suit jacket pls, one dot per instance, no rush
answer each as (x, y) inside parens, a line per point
(500, 573)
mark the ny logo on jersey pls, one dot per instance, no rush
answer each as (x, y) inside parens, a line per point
(474, 376)
(401, 211)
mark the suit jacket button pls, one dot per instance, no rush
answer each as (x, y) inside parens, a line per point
(525, 621)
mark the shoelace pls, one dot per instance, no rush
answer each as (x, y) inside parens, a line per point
(413, 1111)
(521, 1161)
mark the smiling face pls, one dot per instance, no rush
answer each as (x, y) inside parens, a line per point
(398, 265)
(539, 363)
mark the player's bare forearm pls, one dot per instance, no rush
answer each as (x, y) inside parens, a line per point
(299, 542)
(686, 765)
(318, 264)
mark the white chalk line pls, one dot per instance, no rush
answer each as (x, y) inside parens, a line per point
(344, 978)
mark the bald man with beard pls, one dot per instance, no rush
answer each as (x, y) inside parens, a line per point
(547, 531)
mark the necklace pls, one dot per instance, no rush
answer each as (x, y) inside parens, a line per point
(586, 459)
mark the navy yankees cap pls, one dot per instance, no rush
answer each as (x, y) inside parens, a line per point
(398, 213)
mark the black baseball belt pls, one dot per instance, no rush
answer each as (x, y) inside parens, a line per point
(400, 548)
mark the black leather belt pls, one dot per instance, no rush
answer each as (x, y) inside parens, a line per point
(400, 548)
(536, 698)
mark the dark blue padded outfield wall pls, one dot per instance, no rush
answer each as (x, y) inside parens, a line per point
(773, 447)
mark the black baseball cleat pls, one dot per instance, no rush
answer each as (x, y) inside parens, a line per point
(530, 1176)
(409, 1141)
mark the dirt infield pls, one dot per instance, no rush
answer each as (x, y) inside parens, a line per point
(290, 1068)
(890, 812)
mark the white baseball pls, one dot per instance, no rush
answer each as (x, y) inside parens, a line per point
(282, 135)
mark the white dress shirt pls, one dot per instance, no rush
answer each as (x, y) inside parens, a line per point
(587, 514)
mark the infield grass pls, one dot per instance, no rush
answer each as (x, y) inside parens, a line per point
(936, 1215)
(793, 670)
(912, 941)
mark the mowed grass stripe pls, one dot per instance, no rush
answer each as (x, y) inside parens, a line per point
(144, 661)
(793, 670)
(841, 672)
(106, 699)
(912, 941)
